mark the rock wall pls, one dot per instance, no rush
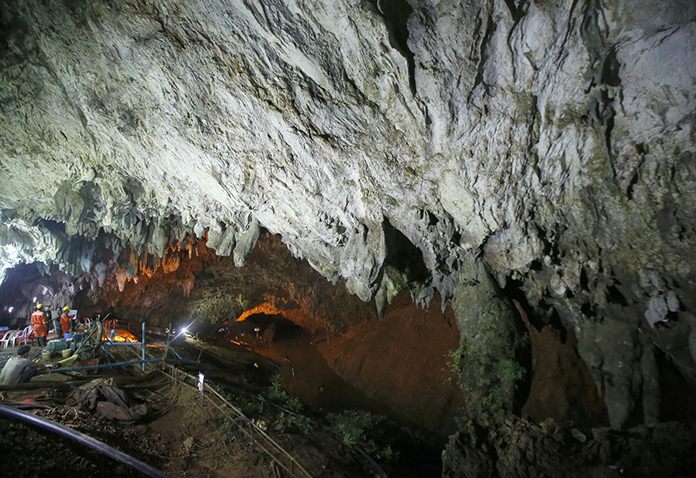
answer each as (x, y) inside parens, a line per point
(401, 361)
(219, 291)
(552, 139)
(522, 448)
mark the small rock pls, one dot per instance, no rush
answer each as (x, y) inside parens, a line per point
(672, 301)
(657, 311)
(113, 412)
(578, 435)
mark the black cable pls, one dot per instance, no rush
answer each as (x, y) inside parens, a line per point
(83, 439)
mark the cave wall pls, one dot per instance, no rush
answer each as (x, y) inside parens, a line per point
(209, 289)
(553, 140)
(402, 362)
(29, 284)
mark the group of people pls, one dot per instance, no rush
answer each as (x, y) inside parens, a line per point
(20, 368)
(41, 319)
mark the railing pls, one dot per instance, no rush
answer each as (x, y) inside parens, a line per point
(259, 438)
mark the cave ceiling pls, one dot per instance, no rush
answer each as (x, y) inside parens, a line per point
(552, 140)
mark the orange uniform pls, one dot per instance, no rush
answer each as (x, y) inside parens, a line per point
(38, 320)
(64, 323)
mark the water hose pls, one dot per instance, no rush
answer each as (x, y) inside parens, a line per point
(82, 439)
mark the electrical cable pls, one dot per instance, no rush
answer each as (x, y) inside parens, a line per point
(82, 439)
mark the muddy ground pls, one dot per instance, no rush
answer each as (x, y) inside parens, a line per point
(185, 436)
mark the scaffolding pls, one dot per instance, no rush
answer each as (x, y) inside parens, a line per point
(178, 378)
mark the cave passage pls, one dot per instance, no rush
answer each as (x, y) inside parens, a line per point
(264, 329)
(380, 237)
(261, 339)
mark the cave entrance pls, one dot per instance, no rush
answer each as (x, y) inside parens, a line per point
(273, 327)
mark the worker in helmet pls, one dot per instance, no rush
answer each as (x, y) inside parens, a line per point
(114, 325)
(65, 321)
(56, 325)
(48, 317)
(38, 321)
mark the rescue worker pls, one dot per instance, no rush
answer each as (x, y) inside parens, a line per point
(56, 325)
(18, 368)
(100, 327)
(38, 321)
(113, 325)
(48, 318)
(107, 326)
(65, 321)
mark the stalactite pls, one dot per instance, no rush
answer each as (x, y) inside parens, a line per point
(171, 263)
(187, 284)
(121, 279)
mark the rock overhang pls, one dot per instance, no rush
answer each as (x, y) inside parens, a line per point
(553, 140)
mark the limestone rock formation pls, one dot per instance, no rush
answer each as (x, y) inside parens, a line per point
(553, 140)
(524, 449)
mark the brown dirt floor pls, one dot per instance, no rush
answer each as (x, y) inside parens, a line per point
(183, 435)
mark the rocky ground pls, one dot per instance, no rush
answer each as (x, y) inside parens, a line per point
(521, 448)
(185, 435)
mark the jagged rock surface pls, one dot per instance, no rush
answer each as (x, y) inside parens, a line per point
(521, 448)
(554, 139)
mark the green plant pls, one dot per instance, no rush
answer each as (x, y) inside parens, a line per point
(277, 393)
(276, 390)
(494, 403)
(487, 384)
(240, 301)
(289, 416)
(454, 364)
(353, 425)
(510, 371)
(285, 421)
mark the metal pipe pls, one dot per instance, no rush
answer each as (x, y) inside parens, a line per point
(142, 359)
(132, 344)
(104, 365)
(82, 439)
(166, 348)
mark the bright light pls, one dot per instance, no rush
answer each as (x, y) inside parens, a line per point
(34, 299)
(184, 330)
(10, 309)
(201, 382)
